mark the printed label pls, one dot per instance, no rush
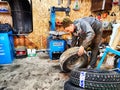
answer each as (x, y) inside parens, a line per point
(82, 79)
(57, 44)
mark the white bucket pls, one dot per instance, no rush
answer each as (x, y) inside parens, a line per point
(31, 52)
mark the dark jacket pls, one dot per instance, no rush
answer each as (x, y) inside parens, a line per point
(87, 29)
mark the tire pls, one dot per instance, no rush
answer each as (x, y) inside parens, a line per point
(21, 15)
(70, 60)
(117, 63)
(92, 85)
(117, 58)
(96, 79)
(69, 86)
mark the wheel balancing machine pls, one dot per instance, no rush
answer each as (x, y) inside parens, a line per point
(6, 44)
(56, 45)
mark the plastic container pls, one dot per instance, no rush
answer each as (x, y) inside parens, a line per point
(31, 52)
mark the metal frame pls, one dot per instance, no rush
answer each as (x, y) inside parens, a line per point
(107, 50)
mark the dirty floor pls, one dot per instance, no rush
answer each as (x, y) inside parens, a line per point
(32, 73)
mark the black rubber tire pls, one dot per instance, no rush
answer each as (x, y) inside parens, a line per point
(70, 57)
(21, 15)
(117, 58)
(92, 85)
(69, 86)
(97, 79)
(97, 75)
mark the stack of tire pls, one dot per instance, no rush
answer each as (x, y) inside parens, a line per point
(92, 79)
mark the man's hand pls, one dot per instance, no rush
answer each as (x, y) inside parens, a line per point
(81, 51)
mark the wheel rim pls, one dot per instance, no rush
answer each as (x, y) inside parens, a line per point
(75, 62)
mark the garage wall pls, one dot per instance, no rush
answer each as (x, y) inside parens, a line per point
(41, 17)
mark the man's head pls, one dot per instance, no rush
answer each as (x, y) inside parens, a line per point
(68, 25)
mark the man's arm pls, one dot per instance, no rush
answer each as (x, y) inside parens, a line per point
(90, 34)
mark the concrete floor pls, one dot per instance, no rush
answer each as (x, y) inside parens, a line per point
(32, 73)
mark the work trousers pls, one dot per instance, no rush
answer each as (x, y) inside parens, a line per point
(77, 41)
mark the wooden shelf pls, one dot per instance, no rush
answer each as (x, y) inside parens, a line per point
(3, 2)
(5, 14)
(4, 7)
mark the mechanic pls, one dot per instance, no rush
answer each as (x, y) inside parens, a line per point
(86, 32)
